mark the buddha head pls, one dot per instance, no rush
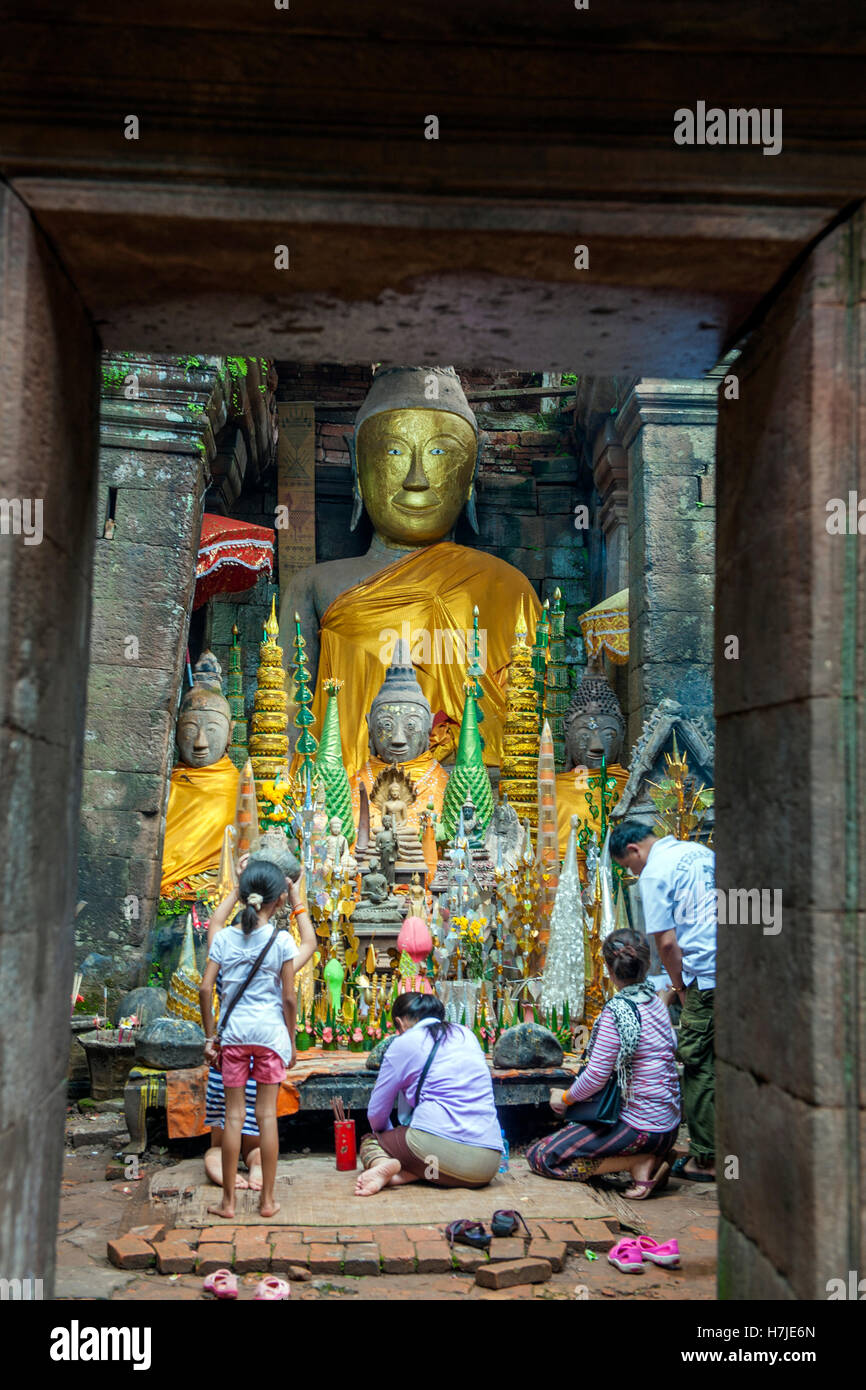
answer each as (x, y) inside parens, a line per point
(400, 719)
(335, 825)
(204, 722)
(414, 455)
(594, 725)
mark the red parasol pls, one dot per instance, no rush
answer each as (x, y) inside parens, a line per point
(231, 556)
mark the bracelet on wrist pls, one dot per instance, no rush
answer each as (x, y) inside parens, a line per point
(565, 1100)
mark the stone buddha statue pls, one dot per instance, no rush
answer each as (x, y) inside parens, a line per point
(414, 457)
(203, 792)
(399, 723)
(594, 729)
(337, 847)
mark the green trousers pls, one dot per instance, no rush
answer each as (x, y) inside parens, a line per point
(695, 1051)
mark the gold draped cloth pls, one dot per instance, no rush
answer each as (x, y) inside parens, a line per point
(428, 775)
(605, 629)
(428, 597)
(571, 789)
(201, 802)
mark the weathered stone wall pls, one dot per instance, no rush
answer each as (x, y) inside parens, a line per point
(49, 394)
(668, 428)
(791, 779)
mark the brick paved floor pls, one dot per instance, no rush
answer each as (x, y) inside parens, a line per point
(96, 1209)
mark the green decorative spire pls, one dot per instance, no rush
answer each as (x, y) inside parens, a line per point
(475, 673)
(330, 766)
(469, 774)
(304, 698)
(557, 693)
(539, 659)
(238, 750)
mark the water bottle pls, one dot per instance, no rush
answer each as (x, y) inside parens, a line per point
(503, 1167)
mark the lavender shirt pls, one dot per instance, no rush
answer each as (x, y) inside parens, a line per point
(457, 1100)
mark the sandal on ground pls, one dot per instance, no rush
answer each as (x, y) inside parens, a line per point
(667, 1254)
(679, 1171)
(627, 1256)
(222, 1284)
(648, 1186)
(272, 1290)
(505, 1223)
(468, 1233)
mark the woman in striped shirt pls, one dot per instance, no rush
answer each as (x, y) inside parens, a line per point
(633, 1038)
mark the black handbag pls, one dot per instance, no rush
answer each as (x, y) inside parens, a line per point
(603, 1108)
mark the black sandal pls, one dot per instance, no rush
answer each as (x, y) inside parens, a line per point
(504, 1223)
(468, 1233)
(679, 1171)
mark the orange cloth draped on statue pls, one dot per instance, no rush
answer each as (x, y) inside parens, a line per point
(428, 597)
(571, 792)
(428, 775)
(201, 803)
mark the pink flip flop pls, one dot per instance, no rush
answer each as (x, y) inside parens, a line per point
(667, 1254)
(272, 1290)
(222, 1284)
(627, 1256)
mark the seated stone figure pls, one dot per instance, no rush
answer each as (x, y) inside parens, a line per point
(204, 786)
(337, 847)
(594, 728)
(399, 723)
(415, 454)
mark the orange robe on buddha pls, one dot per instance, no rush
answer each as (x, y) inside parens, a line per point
(428, 597)
(571, 789)
(201, 802)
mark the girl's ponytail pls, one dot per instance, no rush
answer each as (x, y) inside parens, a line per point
(261, 883)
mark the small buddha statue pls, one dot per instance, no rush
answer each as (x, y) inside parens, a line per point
(400, 723)
(415, 453)
(594, 729)
(374, 885)
(337, 847)
(203, 790)
(386, 847)
(504, 839)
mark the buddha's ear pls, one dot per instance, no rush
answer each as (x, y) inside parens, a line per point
(357, 499)
(471, 514)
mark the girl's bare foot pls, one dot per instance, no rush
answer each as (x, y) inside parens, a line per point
(213, 1166)
(223, 1210)
(268, 1208)
(375, 1178)
(254, 1168)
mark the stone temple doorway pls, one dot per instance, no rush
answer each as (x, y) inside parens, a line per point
(163, 254)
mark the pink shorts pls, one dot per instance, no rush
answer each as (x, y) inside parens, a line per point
(240, 1061)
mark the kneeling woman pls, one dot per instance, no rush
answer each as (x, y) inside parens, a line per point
(450, 1134)
(632, 1037)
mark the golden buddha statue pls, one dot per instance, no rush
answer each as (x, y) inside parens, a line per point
(414, 460)
(594, 730)
(203, 790)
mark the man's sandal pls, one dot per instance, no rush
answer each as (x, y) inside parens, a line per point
(468, 1233)
(679, 1171)
(505, 1223)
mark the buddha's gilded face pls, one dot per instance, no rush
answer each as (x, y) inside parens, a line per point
(591, 735)
(399, 731)
(202, 736)
(415, 470)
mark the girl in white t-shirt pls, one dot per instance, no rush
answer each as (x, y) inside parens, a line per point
(259, 1038)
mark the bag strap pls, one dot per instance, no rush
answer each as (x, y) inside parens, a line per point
(228, 1013)
(423, 1076)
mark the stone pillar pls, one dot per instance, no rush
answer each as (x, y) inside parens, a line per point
(154, 469)
(48, 388)
(610, 472)
(668, 429)
(791, 790)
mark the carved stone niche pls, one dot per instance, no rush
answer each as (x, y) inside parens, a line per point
(694, 737)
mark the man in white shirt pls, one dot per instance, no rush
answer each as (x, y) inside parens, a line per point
(678, 895)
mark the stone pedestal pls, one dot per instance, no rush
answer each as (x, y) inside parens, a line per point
(791, 790)
(668, 429)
